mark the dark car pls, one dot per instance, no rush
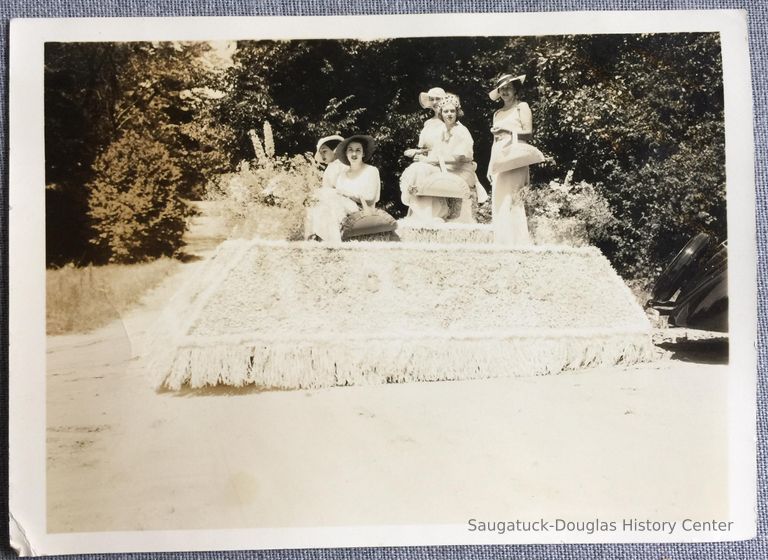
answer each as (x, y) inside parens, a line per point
(693, 290)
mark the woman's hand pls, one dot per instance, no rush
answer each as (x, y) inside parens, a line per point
(420, 157)
(414, 152)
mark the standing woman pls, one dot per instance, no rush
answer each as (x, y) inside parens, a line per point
(510, 225)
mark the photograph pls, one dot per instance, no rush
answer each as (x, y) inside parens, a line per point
(345, 282)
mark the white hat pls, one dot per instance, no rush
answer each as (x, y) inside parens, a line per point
(424, 96)
(325, 140)
(503, 80)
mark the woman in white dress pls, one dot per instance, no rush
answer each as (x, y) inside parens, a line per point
(326, 154)
(510, 225)
(357, 186)
(456, 149)
(424, 209)
(326, 207)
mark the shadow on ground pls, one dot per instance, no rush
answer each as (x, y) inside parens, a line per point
(712, 351)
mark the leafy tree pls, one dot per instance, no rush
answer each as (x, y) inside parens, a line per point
(638, 116)
(133, 200)
(94, 94)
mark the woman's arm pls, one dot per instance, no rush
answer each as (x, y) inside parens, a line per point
(461, 144)
(526, 119)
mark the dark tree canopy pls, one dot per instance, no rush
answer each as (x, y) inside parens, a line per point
(95, 94)
(638, 116)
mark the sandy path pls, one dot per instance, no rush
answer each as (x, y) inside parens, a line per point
(644, 441)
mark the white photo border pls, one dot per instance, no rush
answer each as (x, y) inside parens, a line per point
(27, 498)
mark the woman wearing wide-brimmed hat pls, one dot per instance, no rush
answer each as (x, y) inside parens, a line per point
(424, 209)
(510, 224)
(430, 132)
(325, 154)
(357, 186)
(326, 204)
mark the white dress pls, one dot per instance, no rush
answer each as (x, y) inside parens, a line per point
(510, 225)
(324, 218)
(424, 209)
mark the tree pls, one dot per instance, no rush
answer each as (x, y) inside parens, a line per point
(94, 94)
(134, 202)
(638, 116)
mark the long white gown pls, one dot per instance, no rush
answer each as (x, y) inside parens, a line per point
(510, 225)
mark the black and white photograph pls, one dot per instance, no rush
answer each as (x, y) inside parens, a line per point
(293, 282)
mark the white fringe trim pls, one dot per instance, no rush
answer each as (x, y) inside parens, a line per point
(294, 365)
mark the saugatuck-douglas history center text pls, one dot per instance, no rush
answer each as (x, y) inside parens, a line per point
(597, 526)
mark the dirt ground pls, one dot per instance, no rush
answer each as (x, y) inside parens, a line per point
(644, 441)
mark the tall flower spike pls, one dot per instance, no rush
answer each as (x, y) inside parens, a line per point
(269, 140)
(258, 149)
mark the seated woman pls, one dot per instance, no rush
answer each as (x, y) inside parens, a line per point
(424, 209)
(356, 187)
(455, 149)
(432, 129)
(326, 155)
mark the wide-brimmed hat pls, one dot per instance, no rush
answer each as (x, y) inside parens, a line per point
(369, 146)
(425, 95)
(502, 81)
(333, 138)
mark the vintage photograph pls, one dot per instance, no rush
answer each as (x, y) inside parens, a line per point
(472, 281)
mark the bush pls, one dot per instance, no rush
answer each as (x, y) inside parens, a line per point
(565, 199)
(267, 197)
(133, 201)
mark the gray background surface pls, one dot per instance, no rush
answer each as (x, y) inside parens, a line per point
(758, 22)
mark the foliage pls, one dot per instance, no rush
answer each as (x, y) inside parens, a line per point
(133, 201)
(641, 117)
(94, 94)
(267, 196)
(638, 117)
(566, 199)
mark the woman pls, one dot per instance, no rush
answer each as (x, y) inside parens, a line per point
(456, 150)
(356, 187)
(320, 217)
(424, 209)
(325, 154)
(430, 133)
(454, 146)
(510, 225)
